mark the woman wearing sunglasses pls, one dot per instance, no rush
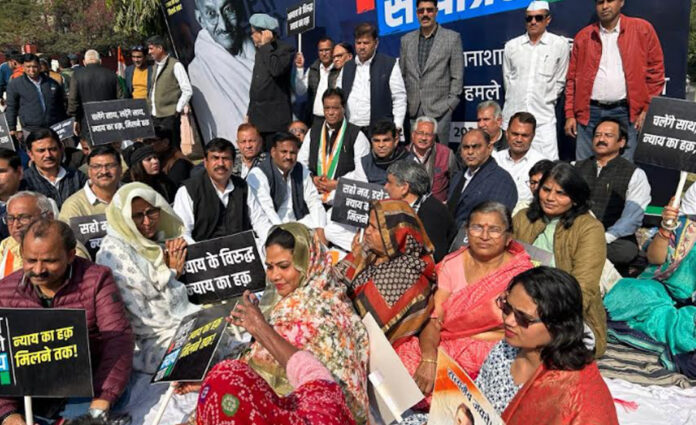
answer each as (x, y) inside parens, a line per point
(559, 221)
(466, 322)
(543, 372)
(145, 250)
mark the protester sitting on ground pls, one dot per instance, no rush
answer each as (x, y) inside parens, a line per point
(308, 308)
(465, 322)
(250, 146)
(543, 372)
(316, 398)
(52, 277)
(391, 274)
(385, 151)
(22, 209)
(146, 253)
(144, 167)
(535, 174)
(173, 163)
(10, 183)
(659, 303)
(45, 174)
(409, 181)
(559, 221)
(104, 174)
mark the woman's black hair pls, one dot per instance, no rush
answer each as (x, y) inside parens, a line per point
(558, 298)
(573, 184)
(280, 237)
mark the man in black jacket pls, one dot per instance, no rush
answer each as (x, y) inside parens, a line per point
(270, 109)
(409, 181)
(91, 83)
(34, 98)
(320, 76)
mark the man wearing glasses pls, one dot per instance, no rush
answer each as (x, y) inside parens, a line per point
(138, 74)
(432, 66)
(534, 71)
(104, 171)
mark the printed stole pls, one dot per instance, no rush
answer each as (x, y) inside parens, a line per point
(328, 162)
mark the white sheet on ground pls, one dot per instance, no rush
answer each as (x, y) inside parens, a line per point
(656, 405)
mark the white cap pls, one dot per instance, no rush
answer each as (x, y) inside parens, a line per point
(538, 5)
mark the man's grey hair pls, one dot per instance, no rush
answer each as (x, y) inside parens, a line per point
(428, 120)
(45, 205)
(497, 111)
(92, 56)
(413, 173)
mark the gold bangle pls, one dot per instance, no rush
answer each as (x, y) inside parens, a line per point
(429, 361)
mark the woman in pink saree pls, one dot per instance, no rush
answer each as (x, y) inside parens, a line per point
(466, 322)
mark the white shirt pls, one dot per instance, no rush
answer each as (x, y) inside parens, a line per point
(181, 78)
(534, 76)
(688, 203)
(258, 183)
(637, 199)
(358, 105)
(610, 82)
(183, 207)
(519, 170)
(302, 83)
(61, 175)
(91, 197)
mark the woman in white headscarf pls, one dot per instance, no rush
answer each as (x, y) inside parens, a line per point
(146, 252)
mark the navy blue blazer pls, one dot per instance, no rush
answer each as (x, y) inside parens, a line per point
(490, 183)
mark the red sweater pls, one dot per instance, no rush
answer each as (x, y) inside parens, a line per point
(91, 288)
(643, 64)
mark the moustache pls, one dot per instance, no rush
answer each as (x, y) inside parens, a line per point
(107, 175)
(224, 32)
(221, 168)
(601, 144)
(42, 275)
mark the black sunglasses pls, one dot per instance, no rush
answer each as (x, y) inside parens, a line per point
(422, 10)
(537, 18)
(521, 318)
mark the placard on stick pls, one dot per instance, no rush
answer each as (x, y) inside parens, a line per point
(352, 201)
(44, 353)
(89, 230)
(456, 394)
(117, 120)
(5, 136)
(668, 137)
(192, 348)
(300, 17)
(223, 268)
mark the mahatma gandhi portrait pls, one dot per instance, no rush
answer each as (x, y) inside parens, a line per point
(222, 19)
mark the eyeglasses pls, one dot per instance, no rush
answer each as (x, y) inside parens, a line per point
(521, 318)
(422, 10)
(538, 18)
(339, 55)
(109, 166)
(151, 213)
(493, 231)
(22, 219)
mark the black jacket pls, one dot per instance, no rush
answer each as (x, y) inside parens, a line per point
(269, 95)
(438, 224)
(73, 181)
(23, 102)
(92, 83)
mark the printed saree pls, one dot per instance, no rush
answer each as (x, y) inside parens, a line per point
(468, 312)
(560, 397)
(397, 292)
(317, 317)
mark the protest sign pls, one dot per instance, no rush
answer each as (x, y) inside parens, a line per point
(352, 201)
(89, 230)
(44, 353)
(117, 120)
(392, 389)
(300, 17)
(538, 256)
(223, 268)
(192, 348)
(456, 396)
(668, 137)
(5, 136)
(64, 129)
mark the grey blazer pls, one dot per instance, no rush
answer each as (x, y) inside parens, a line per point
(440, 84)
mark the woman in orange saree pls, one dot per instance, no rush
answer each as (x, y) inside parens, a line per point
(466, 322)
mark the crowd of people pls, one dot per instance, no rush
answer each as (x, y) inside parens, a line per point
(529, 335)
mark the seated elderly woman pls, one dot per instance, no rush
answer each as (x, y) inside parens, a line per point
(559, 221)
(392, 273)
(466, 322)
(660, 302)
(146, 253)
(543, 372)
(311, 311)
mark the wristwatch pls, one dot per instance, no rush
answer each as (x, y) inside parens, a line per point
(95, 413)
